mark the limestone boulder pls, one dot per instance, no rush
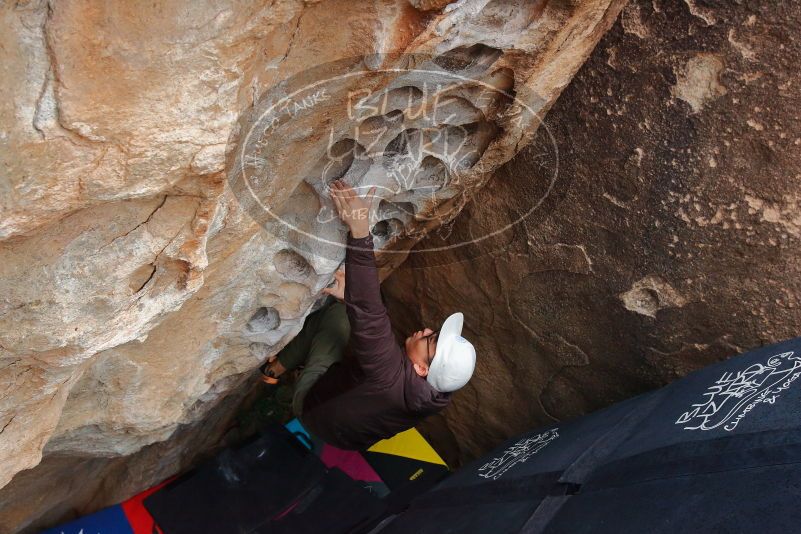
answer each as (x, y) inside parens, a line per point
(140, 284)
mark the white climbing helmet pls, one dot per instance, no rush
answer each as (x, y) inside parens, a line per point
(455, 358)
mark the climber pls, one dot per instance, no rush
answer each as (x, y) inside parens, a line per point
(351, 399)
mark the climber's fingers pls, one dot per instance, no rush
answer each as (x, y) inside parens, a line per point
(349, 203)
(346, 210)
(371, 195)
(350, 193)
(346, 190)
(339, 195)
(337, 286)
(350, 200)
(334, 188)
(337, 203)
(371, 206)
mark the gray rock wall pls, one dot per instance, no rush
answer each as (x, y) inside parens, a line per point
(668, 241)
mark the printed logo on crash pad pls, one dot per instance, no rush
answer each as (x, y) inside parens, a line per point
(735, 394)
(517, 453)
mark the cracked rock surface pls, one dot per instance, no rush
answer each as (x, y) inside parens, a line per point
(669, 241)
(137, 293)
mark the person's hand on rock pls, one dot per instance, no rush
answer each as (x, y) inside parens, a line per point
(338, 289)
(273, 370)
(353, 209)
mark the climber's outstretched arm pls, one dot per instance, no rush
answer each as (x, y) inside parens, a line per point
(371, 338)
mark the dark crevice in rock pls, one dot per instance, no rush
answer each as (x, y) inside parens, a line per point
(467, 57)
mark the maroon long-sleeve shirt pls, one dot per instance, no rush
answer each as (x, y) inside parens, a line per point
(374, 393)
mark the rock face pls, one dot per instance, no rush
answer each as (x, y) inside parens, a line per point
(139, 284)
(668, 241)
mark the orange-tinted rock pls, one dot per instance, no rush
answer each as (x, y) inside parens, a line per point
(137, 289)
